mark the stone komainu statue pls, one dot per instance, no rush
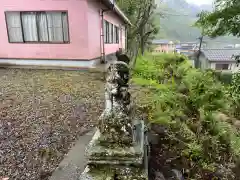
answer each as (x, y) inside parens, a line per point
(117, 78)
(124, 72)
(115, 121)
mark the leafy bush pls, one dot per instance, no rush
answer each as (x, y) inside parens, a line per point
(235, 94)
(185, 100)
(224, 77)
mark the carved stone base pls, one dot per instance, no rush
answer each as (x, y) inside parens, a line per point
(116, 130)
(109, 163)
(120, 155)
(98, 154)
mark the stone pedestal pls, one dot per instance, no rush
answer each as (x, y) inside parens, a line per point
(118, 162)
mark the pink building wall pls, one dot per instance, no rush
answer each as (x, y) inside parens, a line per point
(94, 29)
(112, 18)
(84, 30)
(161, 47)
(164, 48)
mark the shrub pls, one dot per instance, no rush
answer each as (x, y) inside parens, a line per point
(184, 100)
(235, 94)
(224, 77)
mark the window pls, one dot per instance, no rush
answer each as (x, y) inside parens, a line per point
(106, 32)
(116, 36)
(27, 27)
(111, 33)
(222, 66)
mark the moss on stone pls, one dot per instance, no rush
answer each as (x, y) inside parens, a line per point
(106, 172)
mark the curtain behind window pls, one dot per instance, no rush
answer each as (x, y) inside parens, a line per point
(29, 23)
(42, 26)
(14, 26)
(110, 33)
(55, 26)
(105, 31)
(37, 26)
(65, 27)
(116, 32)
(114, 35)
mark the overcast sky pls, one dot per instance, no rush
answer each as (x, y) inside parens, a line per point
(199, 2)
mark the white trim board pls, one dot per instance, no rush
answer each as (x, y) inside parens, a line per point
(48, 63)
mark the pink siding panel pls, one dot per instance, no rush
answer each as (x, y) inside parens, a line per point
(94, 27)
(77, 15)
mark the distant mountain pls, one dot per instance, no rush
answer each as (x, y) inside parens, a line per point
(184, 6)
(178, 17)
(206, 7)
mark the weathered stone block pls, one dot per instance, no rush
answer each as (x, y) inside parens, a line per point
(128, 155)
(113, 173)
(97, 174)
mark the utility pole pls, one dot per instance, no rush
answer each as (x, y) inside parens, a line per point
(197, 63)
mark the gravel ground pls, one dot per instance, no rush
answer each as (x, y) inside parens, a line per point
(42, 113)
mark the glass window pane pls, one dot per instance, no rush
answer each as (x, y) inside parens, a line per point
(29, 23)
(14, 26)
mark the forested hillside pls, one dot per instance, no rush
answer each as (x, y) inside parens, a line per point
(177, 19)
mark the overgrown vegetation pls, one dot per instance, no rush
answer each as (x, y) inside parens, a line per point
(189, 103)
(235, 94)
(223, 76)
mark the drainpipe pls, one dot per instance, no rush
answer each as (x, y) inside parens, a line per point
(102, 43)
(126, 39)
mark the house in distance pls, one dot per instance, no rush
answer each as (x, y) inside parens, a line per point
(163, 46)
(218, 59)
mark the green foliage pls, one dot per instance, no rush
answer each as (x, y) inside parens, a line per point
(224, 77)
(142, 32)
(223, 20)
(186, 101)
(235, 94)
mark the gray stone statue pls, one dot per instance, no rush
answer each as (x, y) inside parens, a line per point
(117, 150)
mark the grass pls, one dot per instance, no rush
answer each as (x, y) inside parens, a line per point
(42, 113)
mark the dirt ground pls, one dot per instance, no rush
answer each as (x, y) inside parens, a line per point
(42, 113)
